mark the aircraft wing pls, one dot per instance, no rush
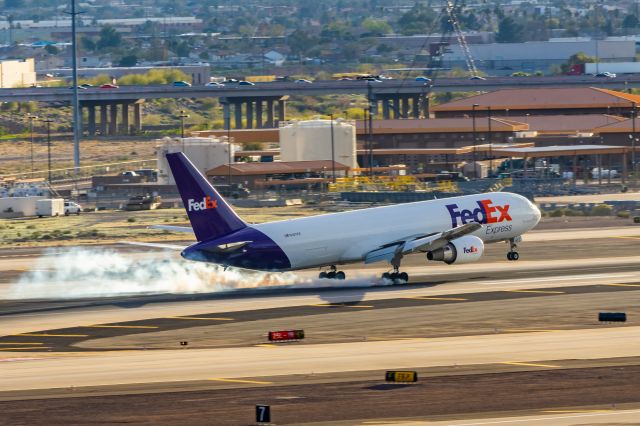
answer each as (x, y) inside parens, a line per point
(421, 244)
(173, 228)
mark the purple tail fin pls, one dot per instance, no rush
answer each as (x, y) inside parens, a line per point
(210, 215)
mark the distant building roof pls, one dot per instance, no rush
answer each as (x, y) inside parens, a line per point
(543, 98)
(276, 167)
(559, 151)
(442, 125)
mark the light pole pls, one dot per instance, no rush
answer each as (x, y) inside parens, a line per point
(490, 141)
(333, 152)
(182, 117)
(75, 107)
(473, 123)
(31, 117)
(48, 122)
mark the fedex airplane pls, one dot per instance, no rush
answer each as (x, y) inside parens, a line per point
(451, 230)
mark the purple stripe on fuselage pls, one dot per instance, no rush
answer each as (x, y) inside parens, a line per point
(261, 253)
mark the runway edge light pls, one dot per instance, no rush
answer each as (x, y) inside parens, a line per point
(401, 376)
(612, 317)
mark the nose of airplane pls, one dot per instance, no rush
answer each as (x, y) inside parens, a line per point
(535, 214)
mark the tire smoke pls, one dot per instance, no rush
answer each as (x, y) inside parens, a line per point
(82, 272)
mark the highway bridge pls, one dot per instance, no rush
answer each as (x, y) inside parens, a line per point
(264, 104)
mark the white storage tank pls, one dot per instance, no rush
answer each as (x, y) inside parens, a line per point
(311, 140)
(204, 153)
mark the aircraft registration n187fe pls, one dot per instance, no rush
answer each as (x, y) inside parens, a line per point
(451, 230)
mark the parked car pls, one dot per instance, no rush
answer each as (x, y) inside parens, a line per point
(606, 74)
(86, 85)
(72, 208)
(214, 84)
(181, 84)
(303, 81)
(109, 86)
(245, 83)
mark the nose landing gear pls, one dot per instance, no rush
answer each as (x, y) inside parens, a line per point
(513, 254)
(333, 274)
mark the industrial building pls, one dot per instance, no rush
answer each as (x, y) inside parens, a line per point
(532, 56)
(17, 73)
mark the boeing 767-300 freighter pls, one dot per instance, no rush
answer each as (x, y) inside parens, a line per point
(452, 230)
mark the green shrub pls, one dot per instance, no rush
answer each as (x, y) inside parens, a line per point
(557, 213)
(573, 212)
(602, 210)
(625, 214)
(131, 219)
(31, 227)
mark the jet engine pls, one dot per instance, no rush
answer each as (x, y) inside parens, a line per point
(465, 249)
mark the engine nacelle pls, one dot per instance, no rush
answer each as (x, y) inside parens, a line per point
(465, 249)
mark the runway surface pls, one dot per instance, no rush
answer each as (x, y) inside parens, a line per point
(524, 332)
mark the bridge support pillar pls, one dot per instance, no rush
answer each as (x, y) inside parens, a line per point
(259, 122)
(103, 120)
(385, 109)
(282, 110)
(396, 108)
(113, 119)
(405, 107)
(125, 119)
(425, 106)
(249, 104)
(137, 118)
(237, 110)
(226, 113)
(270, 122)
(91, 125)
(416, 106)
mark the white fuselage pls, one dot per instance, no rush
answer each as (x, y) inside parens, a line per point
(346, 237)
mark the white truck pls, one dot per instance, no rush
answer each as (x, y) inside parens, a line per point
(50, 207)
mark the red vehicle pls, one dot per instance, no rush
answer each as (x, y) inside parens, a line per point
(109, 86)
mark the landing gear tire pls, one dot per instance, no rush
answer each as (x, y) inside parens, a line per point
(396, 277)
(513, 255)
(332, 274)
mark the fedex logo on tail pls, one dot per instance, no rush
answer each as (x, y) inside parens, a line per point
(486, 212)
(206, 203)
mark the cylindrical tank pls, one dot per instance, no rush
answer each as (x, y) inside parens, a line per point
(311, 140)
(204, 153)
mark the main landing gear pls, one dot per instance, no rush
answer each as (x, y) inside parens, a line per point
(513, 254)
(396, 276)
(332, 274)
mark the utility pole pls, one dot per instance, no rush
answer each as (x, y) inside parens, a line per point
(490, 141)
(48, 122)
(75, 104)
(371, 100)
(227, 125)
(333, 152)
(31, 117)
(473, 121)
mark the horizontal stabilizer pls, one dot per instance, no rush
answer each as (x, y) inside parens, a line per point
(187, 229)
(154, 245)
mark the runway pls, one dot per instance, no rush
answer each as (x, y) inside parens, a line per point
(525, 332)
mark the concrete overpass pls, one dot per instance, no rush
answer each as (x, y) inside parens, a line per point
(264, 104)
